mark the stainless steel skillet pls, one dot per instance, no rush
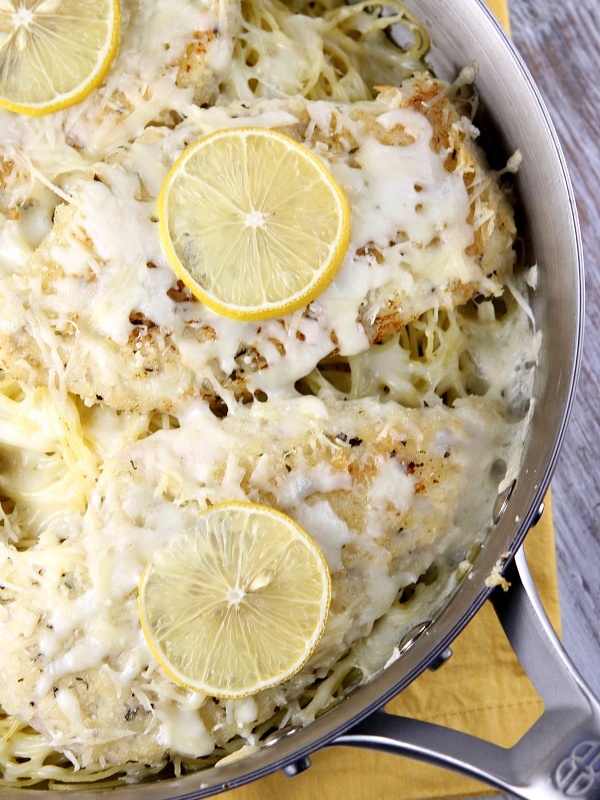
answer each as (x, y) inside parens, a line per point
(561, 754)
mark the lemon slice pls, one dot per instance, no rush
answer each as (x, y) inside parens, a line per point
(239, 604)
(53, 53)
(253, 223)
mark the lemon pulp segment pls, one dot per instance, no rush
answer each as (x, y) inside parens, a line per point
(53, 53)
(253, 223)
(237, 605)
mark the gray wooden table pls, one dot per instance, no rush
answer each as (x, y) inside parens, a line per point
(560, 42)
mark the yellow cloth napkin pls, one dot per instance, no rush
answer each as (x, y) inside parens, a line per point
(481, 690)
(500, 9)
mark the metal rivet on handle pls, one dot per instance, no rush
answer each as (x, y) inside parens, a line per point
(501, 503)
(277, 736)
(538, 515)
(296, 767)
(440, 660)
(411, 637)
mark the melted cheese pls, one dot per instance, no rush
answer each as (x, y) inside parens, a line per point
(407, 208)
(45, 156)
(381, 510)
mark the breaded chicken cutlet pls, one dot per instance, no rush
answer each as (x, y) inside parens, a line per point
(97, 308)
(384, 491)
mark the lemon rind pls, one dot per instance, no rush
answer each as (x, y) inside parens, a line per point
(198, 686)
(325, 275)
(78, 94)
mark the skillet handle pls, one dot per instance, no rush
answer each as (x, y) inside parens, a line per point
(559, 757)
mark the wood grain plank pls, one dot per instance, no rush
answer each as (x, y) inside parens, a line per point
(560, 43)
